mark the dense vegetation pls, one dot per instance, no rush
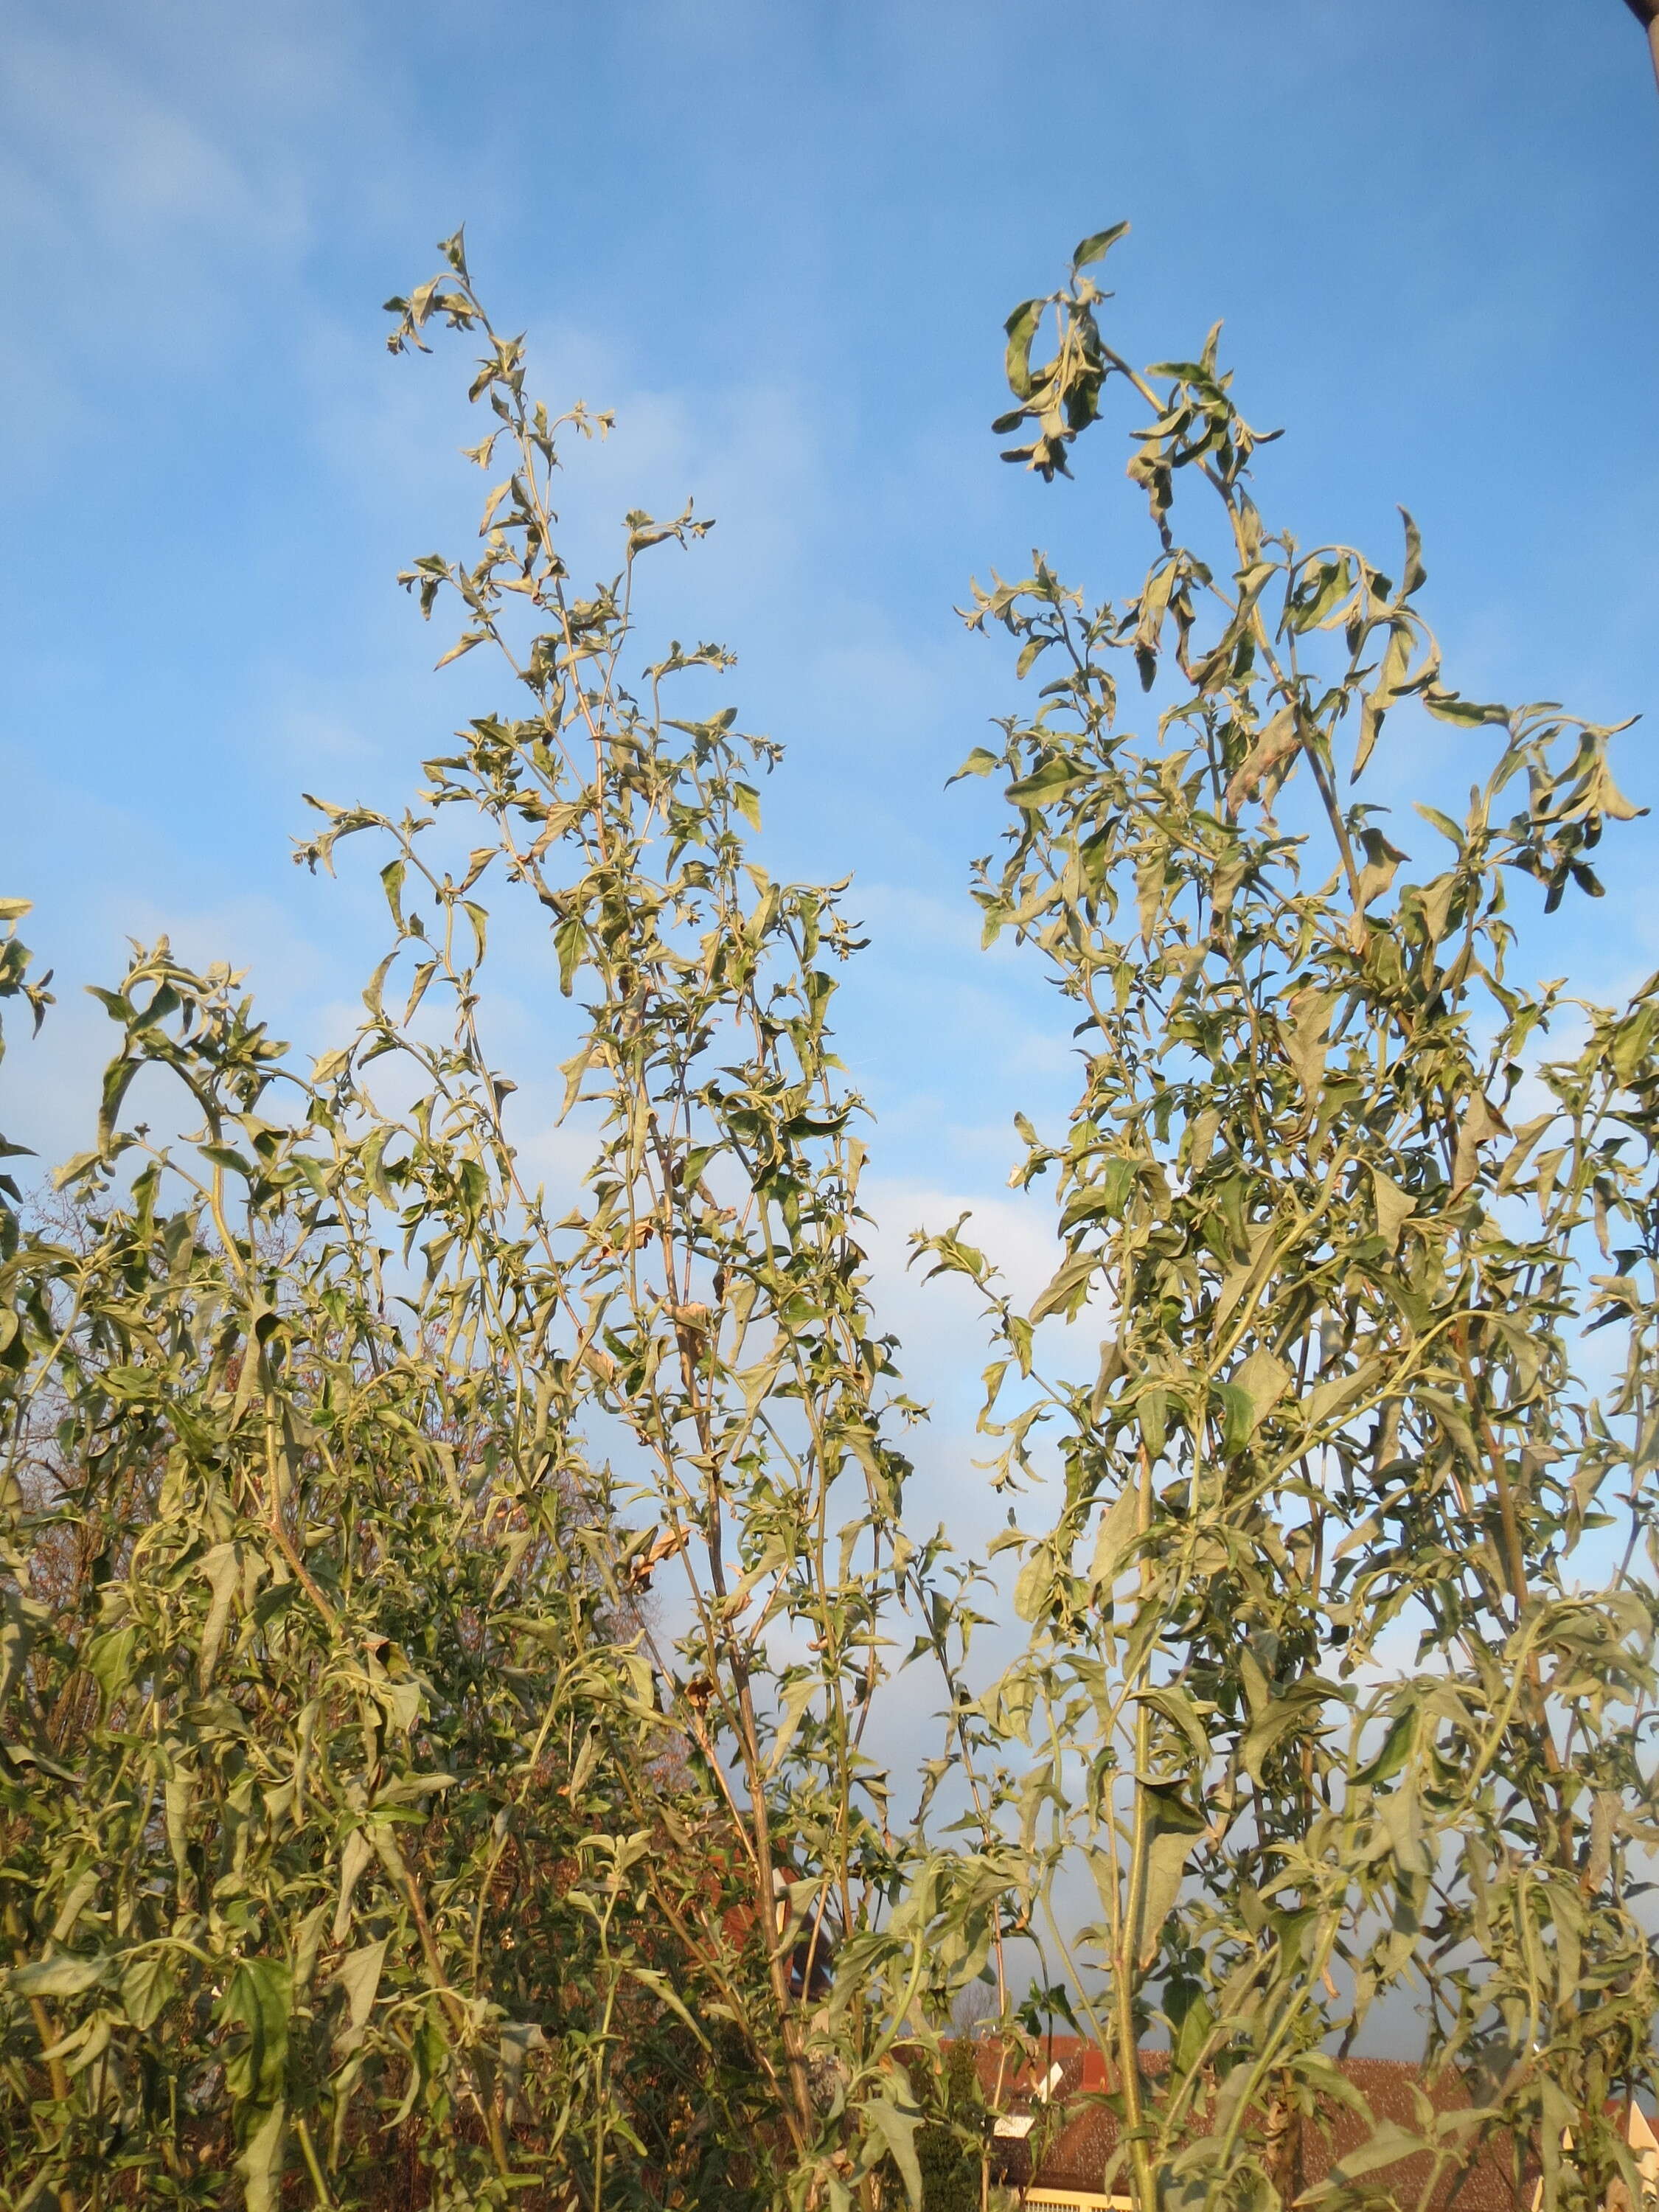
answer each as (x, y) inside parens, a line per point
(374, 1831)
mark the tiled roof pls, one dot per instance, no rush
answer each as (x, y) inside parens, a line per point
(1076, 2158)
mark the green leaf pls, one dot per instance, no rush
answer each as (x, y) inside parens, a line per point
(391, 883)
(1068, 1291)
(1391, 673)
(1021, 327)
(569, 941)
(66, 1974)
(1116, 1539)
(258, 2000)
(228, 1157)
(22, 1618)
(148, 1987)
(797, 1696)
(1334, 1391)
(1276, 742)
(1394, 1208)
(358, 1975)
(376, 985)
(371, 1163)
(356, 1852)
(1381, 861)
(109, 1660)
(1447, 707)
(653, 1978)
(1480, 1122)
(1387, 2145)
(1045, 783)
(1239, 1417)
(978, 762)
(1097, 246)
(262, 2159)
(1152, 1411)
(222, 1568)
(1264, 1378)
(1175, 1704)
(1191, 2018)
(1304, 1033)
(895, 2125)
(1442, 823)
(1391, 1755)
(118, 1080)
(1172, 1828)
(463, 644)
(1034, 1584)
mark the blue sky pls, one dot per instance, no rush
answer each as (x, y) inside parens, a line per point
(780, 240)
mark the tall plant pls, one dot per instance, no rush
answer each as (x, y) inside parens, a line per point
(354, 1790)
(441, 1622)
(1341, 1671)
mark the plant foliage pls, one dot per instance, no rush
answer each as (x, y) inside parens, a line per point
(444, 1623)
